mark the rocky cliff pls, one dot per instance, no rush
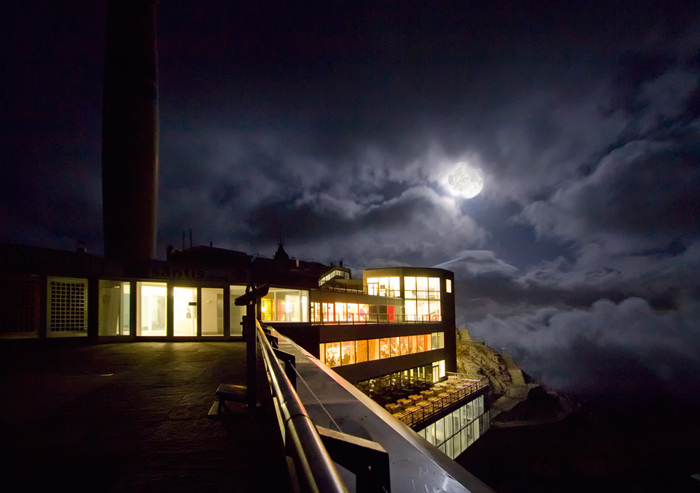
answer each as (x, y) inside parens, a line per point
(477, 360)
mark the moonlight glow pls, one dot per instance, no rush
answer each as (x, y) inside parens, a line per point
(466, 180)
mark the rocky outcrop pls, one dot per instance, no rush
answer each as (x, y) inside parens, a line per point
(476, 360)
(516, 400)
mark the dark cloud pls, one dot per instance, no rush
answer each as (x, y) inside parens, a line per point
(334, 126)
(623, 347)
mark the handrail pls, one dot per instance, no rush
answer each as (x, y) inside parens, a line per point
(314, 465)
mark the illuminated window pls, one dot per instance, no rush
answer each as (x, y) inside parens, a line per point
(373, 286)
(373, 349)
(184, 312)
(395, 347)
(353, 312)
(409, 287)
(348, 352)
(403, 346)
(434, 288)
(384, 351)
(352, 352)
(423, 314)
(341, 312)
(422, 287)
(448, 285)
(411, 311)
(361, 351)
(395, 287)
(114, 308)
(435, 314)
(322, 353)
(333, 354)
(284, 305)
(151, 313)
(212, 311)
(236, 313)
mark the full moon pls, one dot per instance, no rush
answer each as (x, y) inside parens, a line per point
(466, 180)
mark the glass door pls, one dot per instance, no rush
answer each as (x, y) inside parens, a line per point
(184, 312)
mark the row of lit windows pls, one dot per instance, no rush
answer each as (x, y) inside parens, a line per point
(282, 305)
(421, 287)
(351, 352)
(459, 429)
(414, 287)
(413, 311)
(334, 273)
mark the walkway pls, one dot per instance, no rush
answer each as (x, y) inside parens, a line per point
(130, 417)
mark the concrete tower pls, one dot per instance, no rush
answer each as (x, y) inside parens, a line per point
(130, 131)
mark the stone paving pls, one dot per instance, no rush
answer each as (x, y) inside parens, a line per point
(131, 417)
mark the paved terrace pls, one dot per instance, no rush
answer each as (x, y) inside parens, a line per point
(131, 417)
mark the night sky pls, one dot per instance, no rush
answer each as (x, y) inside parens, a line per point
(333, 127)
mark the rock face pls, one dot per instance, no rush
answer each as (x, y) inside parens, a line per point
(476, 360)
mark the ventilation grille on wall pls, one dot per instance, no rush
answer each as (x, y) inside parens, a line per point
(67, 305)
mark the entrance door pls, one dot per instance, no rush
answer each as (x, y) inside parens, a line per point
(184, 312)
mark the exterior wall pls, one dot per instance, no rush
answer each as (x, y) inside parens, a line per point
(372, 369)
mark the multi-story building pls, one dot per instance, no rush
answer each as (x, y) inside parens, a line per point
(391, 334)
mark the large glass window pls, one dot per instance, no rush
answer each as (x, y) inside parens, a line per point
(395, 347)
(348, 352)
(384, 351)
(333, 354)
(395, 287)
(434, 288)
(151, 313)
(373, 349)
(287, 305)
(114, 308)
(403, 346)
(341, 312)
(212, 311)
(422, 299)
(422, 287)
(373, 286)
(184, 311)
(361, 351)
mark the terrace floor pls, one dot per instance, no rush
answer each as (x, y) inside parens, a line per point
(131, 417)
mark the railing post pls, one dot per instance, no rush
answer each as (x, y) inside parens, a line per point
(251, 345)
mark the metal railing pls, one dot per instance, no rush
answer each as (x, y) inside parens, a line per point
(380, 319)
(314, 467)
(445, 397)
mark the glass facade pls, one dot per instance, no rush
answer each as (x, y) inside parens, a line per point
(351, 352)
(151, 313)
(453, 433)
(387, 299)
(285, 305)
(422, 299)
(114, 308)
(370, 310)
(412, 380)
